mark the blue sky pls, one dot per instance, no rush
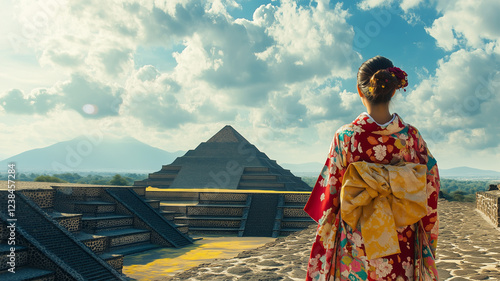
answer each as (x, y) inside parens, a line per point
(172, 73)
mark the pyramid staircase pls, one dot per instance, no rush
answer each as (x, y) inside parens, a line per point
(110, 223)
(291, 214)
(164, 228)
(208, 212)
(262, 215)
(124, 221)
(259, 178)
(236, 213)
(48, 251)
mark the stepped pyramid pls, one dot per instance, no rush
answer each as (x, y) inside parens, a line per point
(226, 161)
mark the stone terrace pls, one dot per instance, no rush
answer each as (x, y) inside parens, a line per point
(468, 249)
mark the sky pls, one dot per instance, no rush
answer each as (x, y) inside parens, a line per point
(282, 73)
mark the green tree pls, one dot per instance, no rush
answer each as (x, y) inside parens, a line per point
(45, 178)
(118, 180)
(69, 177)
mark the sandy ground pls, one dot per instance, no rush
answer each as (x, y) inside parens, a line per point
(156, 264)
(468, 249)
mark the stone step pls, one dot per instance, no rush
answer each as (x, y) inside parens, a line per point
(177, 206)
(168, 195)
(170, 215)
(92, 224)
(27, 273)
(20, 256)
(70, 221)
(296, 198)
(223, 198)
(254, 177)
(183, 228)
(294, 212)
(258, 185)
(115, 260)
(94, 207)
(249, 170)
(141, 191)
(44, 198)
(227, 210)
(208, 221)
(121, 237)
(296, 222)
(171, 168)
(133, 248)
(214, 230)
(96, 243)
(154, 203)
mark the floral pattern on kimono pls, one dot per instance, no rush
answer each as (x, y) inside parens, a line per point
(336, 242)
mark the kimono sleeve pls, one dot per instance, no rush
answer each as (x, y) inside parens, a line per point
(325, 197)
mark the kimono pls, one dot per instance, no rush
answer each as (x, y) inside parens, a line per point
(338, 252)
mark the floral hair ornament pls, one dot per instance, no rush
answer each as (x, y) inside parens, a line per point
(400, 75)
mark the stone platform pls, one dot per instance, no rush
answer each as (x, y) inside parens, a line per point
(468, 249)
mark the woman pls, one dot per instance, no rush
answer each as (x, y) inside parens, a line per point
(339, 251)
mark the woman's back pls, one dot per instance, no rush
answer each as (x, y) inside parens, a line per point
(339, 250)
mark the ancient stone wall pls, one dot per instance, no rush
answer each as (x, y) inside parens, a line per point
(487, 202)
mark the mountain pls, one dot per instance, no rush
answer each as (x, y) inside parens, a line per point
(85, 154)
(468, 172)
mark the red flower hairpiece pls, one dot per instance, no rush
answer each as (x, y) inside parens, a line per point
(400, 75)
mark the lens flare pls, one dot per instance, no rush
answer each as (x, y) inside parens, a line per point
(90, 109)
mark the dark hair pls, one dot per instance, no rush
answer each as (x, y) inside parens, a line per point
(375, 81)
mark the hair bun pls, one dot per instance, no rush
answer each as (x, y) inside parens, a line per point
(378, 79)
(382, 82)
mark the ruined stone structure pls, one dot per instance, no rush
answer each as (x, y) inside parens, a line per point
(226, 161)
(488, 203)
(81, 232)
(241, 213)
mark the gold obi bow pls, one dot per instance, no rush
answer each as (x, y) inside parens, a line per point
(382, 198)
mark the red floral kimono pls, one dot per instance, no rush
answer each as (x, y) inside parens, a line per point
(338, 252)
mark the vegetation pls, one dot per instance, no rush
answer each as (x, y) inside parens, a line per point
(48, 179)
(462, 190)
(118, 180)
(95, 178)
(311, 181)
(451, 189)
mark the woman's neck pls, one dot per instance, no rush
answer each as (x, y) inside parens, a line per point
(380, 112)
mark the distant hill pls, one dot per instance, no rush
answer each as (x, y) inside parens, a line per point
(468, 172)
(110, 154)
(311, 169)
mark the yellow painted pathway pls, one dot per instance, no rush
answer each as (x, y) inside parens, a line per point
(155, 264)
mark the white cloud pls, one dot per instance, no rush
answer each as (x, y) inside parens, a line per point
(274, 77)
(370, 4)
(467, 23)
(459, 104)
(410, 4)
(224, 60)
(77, 93)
